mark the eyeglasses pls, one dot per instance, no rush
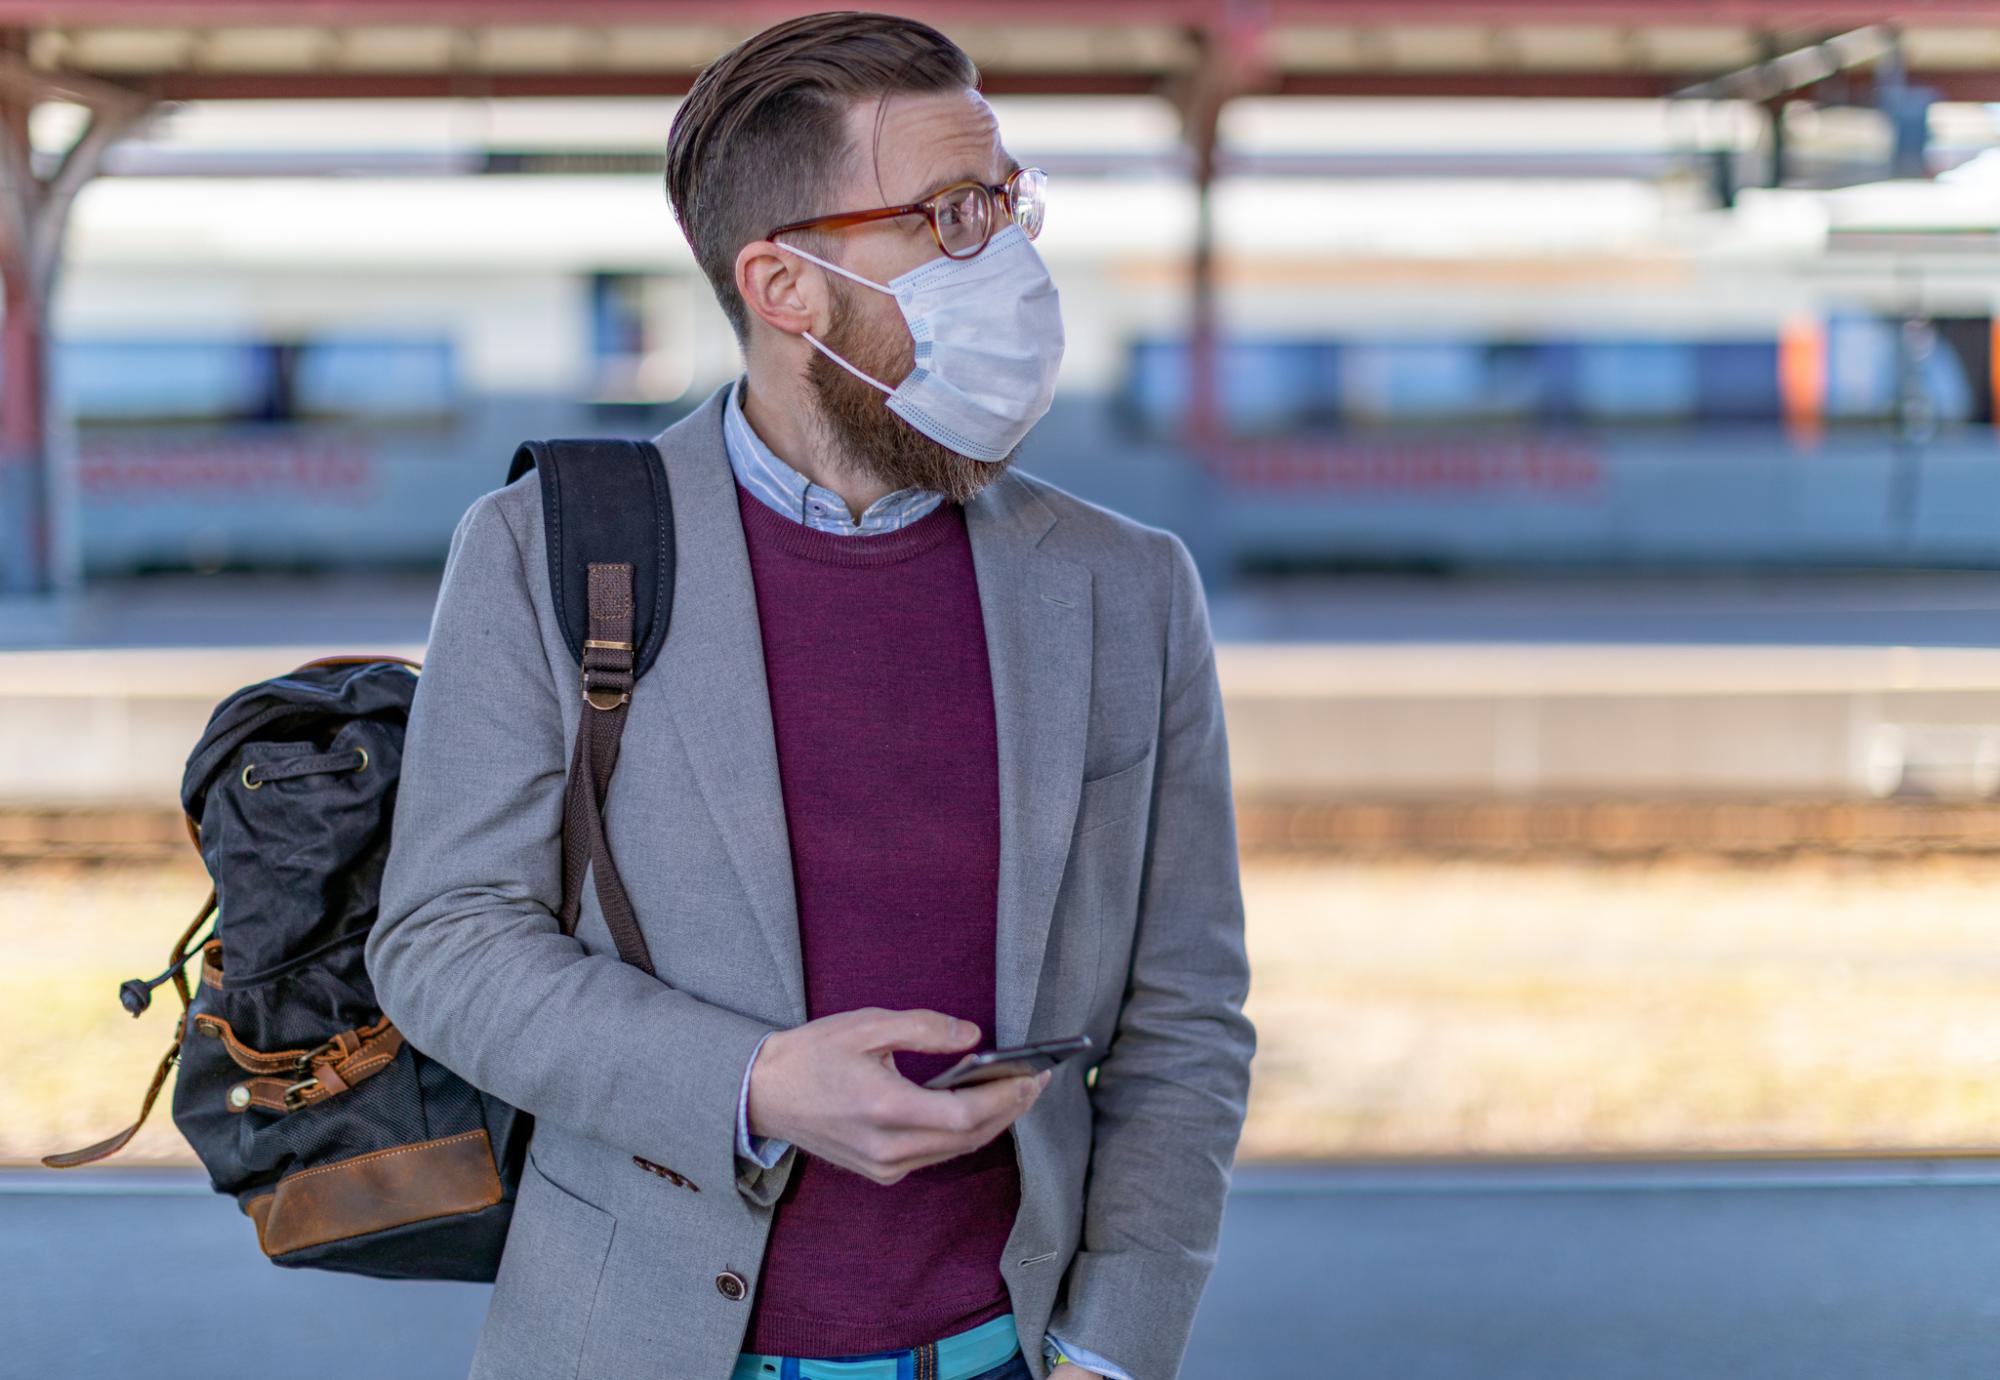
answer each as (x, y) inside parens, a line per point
(961, 216)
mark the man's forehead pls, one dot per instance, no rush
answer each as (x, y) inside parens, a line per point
(923, 141)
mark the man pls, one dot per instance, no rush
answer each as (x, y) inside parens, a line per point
(932, 760)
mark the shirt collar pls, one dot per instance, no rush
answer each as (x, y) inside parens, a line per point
(783, 488)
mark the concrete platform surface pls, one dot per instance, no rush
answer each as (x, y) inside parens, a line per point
(1755, 1270)
(1825, 687)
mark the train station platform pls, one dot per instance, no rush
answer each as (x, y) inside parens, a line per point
(1860, 689)
(1760, 1270)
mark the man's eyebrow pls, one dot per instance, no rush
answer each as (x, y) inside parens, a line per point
(1013, 166)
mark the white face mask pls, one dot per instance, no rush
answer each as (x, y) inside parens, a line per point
(989, 339)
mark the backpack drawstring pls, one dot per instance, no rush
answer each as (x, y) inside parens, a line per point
(136, 994)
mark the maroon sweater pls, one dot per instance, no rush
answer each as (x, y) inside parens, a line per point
(882, 702)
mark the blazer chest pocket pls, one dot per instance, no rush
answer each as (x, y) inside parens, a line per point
(1105, 859)
(1115, 796)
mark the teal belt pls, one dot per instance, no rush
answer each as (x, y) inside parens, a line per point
(958, 1356)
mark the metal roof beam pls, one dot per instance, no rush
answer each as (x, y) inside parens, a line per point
(1799, 68)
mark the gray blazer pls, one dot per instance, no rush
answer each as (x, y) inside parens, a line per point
(1120, 915)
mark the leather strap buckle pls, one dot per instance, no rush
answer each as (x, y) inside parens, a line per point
(602, 698)
(304, 1062)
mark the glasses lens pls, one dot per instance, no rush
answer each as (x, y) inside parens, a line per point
(1024, 195)
(964, 215)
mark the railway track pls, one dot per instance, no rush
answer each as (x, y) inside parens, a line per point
(1269, 826)
(1617, 828)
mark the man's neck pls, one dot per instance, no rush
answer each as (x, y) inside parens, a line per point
(778, 411)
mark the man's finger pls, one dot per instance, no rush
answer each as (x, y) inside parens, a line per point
(919, 1029)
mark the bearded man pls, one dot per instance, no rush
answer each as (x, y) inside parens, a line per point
(933, 762)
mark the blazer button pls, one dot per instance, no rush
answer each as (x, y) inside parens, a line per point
(731, 1284)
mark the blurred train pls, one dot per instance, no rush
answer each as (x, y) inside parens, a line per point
(1557, 374)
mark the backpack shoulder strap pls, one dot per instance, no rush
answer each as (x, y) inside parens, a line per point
(610, 536)
(605, 500)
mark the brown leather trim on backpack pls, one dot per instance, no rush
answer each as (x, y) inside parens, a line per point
(376, 1191)
(351, 1057)
(111, 1145)
(90, 1154)
(251, 1060)
(607, 694)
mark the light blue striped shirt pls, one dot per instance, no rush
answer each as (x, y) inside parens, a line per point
(783, 488)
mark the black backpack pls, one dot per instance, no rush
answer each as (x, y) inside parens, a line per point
(348, 1147)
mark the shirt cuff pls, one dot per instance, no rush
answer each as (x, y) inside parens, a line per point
(764, 1150)
(1055, 1349)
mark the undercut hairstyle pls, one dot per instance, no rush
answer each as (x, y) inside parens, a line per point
(761, 138)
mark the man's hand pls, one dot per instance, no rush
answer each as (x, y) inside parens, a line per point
(1070, 1370)
(831, 1087)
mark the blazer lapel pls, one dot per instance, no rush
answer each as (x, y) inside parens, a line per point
(1037, 611)
(711, 671)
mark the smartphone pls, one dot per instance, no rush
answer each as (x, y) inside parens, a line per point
(989, 1064)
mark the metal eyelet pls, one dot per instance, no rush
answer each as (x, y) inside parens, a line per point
(364, 759)
(253, 785)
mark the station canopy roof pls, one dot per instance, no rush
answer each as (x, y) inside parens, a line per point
(223, 49)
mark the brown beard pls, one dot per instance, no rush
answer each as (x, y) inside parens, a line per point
(865, 432)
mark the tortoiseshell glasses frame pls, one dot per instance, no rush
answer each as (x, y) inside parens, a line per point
(965, 209)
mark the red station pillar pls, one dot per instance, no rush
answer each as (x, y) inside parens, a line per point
(34, 212)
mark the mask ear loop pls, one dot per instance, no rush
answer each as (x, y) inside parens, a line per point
(865, 378)
(816, 343)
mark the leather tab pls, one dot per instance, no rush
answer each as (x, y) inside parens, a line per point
(605, 500)
(607, 652)
(608, 525)
(111, 1145)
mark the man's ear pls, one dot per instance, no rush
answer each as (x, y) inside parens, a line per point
(775, 289)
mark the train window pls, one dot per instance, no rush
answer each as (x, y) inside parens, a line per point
(1966, 357)
(1860, 367)
(374, 378)
(1635, 380)
(1867, 364)
(652, 336)
(149, 380)
(1414, 379)
(1875, 363)
(1269, 385)
(136, 381)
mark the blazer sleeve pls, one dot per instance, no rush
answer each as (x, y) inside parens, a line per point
(1173, 1087)
(466, 954)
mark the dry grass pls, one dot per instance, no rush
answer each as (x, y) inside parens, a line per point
(1402, 1007)
(1446, 1007)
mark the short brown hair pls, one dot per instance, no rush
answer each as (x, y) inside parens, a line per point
(761, 133)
